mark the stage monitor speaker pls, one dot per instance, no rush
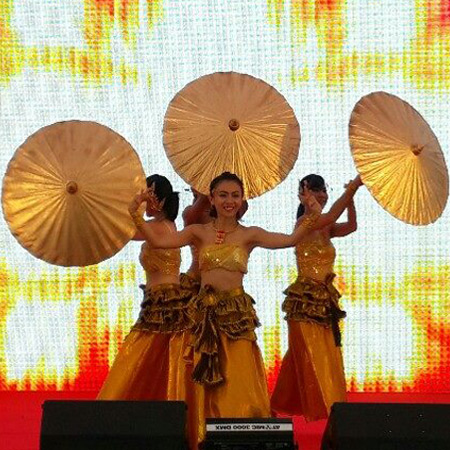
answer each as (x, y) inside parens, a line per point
(387, 426)
(113, 425)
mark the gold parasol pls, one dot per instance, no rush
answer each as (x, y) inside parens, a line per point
(66, 192)
(231, 122)
(399, 158)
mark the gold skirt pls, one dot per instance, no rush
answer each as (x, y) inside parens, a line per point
(145, 365)
(226, 362)
(190, 282)
(312, 374)
(150, 364)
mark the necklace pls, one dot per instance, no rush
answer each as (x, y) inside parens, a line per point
(220, 234)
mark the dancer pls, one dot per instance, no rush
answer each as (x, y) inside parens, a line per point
(312, 375)
(227, 363)
(150, 356)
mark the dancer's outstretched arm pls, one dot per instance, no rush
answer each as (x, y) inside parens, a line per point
(266, 239)
(309, 222)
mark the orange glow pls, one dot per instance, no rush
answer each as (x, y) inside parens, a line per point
(105, 311)
(94, 63)
(424, 60)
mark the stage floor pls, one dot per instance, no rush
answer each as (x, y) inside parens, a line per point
(20, 415)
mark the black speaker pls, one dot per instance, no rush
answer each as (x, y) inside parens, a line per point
(387, 426)
(113, 425)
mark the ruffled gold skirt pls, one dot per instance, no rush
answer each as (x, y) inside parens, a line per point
(150, 355)
(312, 374)
(190, 282)
(226, 361)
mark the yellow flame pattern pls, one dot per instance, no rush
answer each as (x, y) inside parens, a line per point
(396, 336)
(92, 61)
(424, 60)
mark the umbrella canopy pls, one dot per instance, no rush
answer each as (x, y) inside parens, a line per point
(231, 122)
(66, 192)
(399, 158)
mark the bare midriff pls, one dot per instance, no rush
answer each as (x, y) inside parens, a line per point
(222, 279)
(156, 278)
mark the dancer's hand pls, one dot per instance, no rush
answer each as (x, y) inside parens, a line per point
(152, 200)
(196, 194)
(137, 201)
(308, 199)
(356, 182)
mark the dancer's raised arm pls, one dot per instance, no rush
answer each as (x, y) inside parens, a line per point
(198, 211)
(348, 227)
(339, 205)
(187, 236)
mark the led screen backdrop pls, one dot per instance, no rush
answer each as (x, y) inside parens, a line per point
(119, 62)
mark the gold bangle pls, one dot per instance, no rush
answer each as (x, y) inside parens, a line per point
(137, 219)
(310, 220)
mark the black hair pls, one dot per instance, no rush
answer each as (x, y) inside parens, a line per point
(225, 176)
(314, 182)
(164, 191)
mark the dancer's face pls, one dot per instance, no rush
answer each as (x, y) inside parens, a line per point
(227, 198)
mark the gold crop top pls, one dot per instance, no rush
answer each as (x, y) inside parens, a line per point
(230, 257)
(315, 259)
(166, 261)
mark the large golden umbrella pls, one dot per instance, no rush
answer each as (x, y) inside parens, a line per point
(66, 192)
(399, 158)
(231, 122)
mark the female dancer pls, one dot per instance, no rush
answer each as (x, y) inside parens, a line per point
(150, 356)
(227, 362)
(312, 373)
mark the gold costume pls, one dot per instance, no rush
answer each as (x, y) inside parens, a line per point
(191, 282)
(312, 374)
(150, 365)
(166, 261)
(230, 257)
(227, 364)
(209, 338)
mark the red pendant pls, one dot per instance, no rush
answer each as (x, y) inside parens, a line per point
(220, 236)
